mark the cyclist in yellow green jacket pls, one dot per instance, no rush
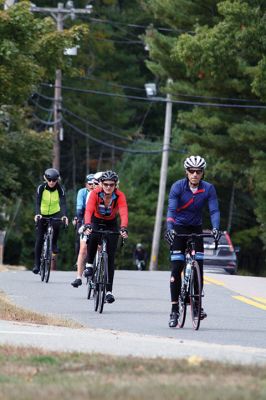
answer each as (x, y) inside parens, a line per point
(50, 202)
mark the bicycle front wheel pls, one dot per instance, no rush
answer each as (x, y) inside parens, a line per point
(195, 295)
(42, 261)
(103, 281)
(182, 304)
(91, 281)
(48, 259)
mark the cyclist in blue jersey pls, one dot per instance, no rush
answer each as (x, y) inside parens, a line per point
(187, 199)
(81, 240)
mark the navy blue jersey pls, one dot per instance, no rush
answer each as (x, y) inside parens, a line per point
(186, 207)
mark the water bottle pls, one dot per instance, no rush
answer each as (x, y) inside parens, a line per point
(188, 272)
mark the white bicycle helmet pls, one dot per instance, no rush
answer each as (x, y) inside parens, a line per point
(97, 177)
(195, 162)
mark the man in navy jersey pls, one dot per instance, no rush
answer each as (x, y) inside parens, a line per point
(187, 199)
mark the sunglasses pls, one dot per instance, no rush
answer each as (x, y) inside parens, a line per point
(52, 180)
(90, 183)
(192, 171)
(109, 185)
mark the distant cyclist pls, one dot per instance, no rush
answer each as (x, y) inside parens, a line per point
(140, 257)
(103, 207)
(187, 199)
(50, 202)
(82, 198)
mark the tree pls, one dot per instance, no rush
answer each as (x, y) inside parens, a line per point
(221, 61)
(30, 50)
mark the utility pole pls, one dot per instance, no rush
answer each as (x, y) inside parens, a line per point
(162, 186)
(59, 14)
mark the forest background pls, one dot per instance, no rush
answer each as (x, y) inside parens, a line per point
(214, 52)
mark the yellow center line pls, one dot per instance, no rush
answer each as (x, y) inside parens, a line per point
(207, 279)
(260, 299)
(250, 302)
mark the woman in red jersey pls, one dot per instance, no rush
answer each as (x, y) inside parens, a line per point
(102, 209)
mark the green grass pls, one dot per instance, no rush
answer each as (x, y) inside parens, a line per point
(30, 373)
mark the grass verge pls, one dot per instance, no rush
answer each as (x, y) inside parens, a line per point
(31, 373)
(11, 312)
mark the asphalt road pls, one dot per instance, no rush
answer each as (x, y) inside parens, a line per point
(234, 330)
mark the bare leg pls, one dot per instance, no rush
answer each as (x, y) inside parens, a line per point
(81, 258)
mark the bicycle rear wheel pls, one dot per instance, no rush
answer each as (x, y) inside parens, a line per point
(103, 281)
(195, 295)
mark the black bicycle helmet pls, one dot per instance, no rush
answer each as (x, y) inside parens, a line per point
(109, 176)
(51, 173)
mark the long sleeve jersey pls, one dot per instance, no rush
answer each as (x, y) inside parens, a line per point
(186, 207)
(95, 206)
(50, 201)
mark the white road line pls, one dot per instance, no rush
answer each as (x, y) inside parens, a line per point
(30, 333)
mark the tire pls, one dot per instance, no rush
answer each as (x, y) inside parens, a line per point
(91, 282)
(103, 281)
(43, 258)
(182, 305)
(96, 296)
(96, 283)
(101, 297)
(195, 295)
(48, 259)
(89, 288)
(42, 263)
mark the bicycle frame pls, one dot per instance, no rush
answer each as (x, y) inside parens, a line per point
(191, 287)
(100, 276)
(46, 254)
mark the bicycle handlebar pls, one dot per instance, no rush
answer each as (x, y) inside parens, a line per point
(106, 232)
(50, 219)
(201, 235)
(110, 233)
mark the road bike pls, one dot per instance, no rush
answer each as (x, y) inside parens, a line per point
(47, 257)
(140, 265)
(191, 288)
(100, 276)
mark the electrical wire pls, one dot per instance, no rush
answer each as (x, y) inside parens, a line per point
(159, 99)
(107, 82)
(97, 127)
(46, 122)
(123, 149)
(41, 107)
(43, 96)
(159, 28)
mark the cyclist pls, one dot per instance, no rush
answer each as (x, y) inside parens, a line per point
(50, 202)
(82, 198)
(187, 199)
(140, 257)
(104, 204)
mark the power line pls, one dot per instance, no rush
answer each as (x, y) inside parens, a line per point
(123, 149)
(120, 41)
(177, 94)
(46, 122)
(41, 107)
(159, 99)
(43, 96)
(159, 28)
(97, 127)
(107, 82)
